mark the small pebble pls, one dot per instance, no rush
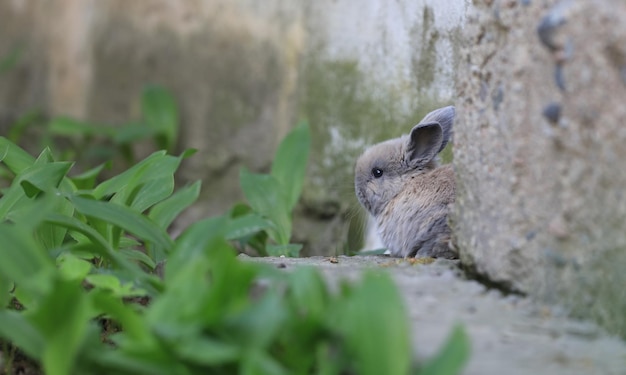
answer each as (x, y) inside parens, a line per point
(552, 112)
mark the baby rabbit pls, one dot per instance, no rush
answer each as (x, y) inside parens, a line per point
(401, 185)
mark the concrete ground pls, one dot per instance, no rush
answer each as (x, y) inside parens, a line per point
(510, 335)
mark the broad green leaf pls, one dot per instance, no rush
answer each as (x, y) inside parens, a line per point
(62, 318)
(113, 284)
(124, 218)
(87, 179)
(194, 241)
(308, 294)
(452, 357)
(14, 157)
(150, 165)
(133, 324)
(138, 256)
(30, 212)
(164, 212)
(160, 113)
(44, 157)
(265, 196)
(12, 198)
(154, 191)
(259, 325)
(289, 166)
(246, 225)
(51, 236)
(38, 178)
(384, 347)
(73, 268)
(14, 327)
(259, 362)
(101, 247)
(6, 286)
(23, 261)
(208, 352)
(136, 361)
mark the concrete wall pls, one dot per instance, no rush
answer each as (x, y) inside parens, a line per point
(243, 72)
(539, 149)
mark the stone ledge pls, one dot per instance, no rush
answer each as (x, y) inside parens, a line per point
(510, 333)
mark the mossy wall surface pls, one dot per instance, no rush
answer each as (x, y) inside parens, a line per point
(242, 75)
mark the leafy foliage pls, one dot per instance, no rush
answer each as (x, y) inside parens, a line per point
(273, 196)
(78, 255)
(92, 142)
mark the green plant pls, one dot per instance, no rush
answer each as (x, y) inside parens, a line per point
(159, 122)
(78, 256)
(93, 143)
(272, 197)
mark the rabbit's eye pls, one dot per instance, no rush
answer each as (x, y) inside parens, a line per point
(377, 172)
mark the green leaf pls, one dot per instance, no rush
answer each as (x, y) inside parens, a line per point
(50, 236)
(6, 286)
(308, 294)
(14, 327)
(258, 362)
(133, 324)
(101, 247)
(124, 218)
(62, 317)
(23, 260)
(246, 225)
(452, 357)
(73, 268)
(289, 166)
(112, 283)
(138, 256)
(384, 347)
(164, 212)
(87, 179)
(38, 178)
(14, 157)
(148, 166)
(265, 196)
(207, 352)
(258, 326)
(160, 113)
(153, 191)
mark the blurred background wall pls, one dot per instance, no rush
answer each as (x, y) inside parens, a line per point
(242, 72)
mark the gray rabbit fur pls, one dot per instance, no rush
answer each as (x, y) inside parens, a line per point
(400, 183)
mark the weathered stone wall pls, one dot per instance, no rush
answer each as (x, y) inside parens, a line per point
(243, 72)
(539, 147)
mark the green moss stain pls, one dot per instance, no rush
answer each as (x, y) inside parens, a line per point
(425, 63)
(595, 289)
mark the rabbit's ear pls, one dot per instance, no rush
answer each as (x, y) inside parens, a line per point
(445, 117)
(424, 143)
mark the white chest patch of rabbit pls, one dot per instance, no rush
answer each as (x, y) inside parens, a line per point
(400, 183)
